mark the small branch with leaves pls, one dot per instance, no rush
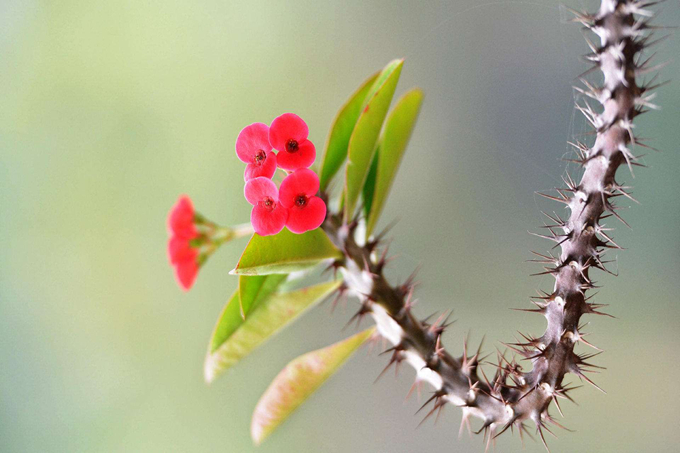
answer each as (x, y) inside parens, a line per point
(299, 226)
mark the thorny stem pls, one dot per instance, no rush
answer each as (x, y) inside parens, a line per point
(513, 396)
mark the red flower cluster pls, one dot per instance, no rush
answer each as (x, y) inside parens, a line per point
(295, 205)
(182, 231)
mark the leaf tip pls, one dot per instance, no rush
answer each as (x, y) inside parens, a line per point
(259, 424)
(256, 434)
(209, 369)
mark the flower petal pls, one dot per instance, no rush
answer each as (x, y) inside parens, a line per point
(251, 140)
(301, 182)
(308, 217)
(266, 168)
(257, 189)
(286, 127)
(179, 250)
(186, 273)
(181, 218)
(267, 221)
(302, 158)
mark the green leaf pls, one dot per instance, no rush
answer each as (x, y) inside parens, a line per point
(369, 185)
(362, 143)
(230, 319)
(233, 338)
(253, 289)
(285, 252)
(395, 137)
(338, 139)
(297, 381)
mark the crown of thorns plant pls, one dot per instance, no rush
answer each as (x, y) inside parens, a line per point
(293, 231)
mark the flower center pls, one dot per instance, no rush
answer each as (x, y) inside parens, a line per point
(259, 157)
(268, 203)
(300, 201)
(292, 145)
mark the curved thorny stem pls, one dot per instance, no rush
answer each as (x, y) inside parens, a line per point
(512, 397)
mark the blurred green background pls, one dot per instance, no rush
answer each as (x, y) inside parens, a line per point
(110, 109)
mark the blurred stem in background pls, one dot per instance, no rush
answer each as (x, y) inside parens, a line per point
(212, 235)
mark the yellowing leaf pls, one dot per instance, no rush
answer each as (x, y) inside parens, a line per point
(233, 338)
(285, 252)
(297, 381)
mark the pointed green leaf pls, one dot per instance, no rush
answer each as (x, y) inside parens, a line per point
(253, 289)
(362, 143)
(369, 185)
(285, 252)
(383, 77)
(338, 139)
(395, 137)
(233, 338)
(230, 319)
(297, 381)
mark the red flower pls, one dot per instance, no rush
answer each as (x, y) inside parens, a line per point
(298, 191)
(182, 230)
(181, 218)
(186, 273)
(179, 250)
(288, 134)
(253, 148)
(268, 215)
(183, 257)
